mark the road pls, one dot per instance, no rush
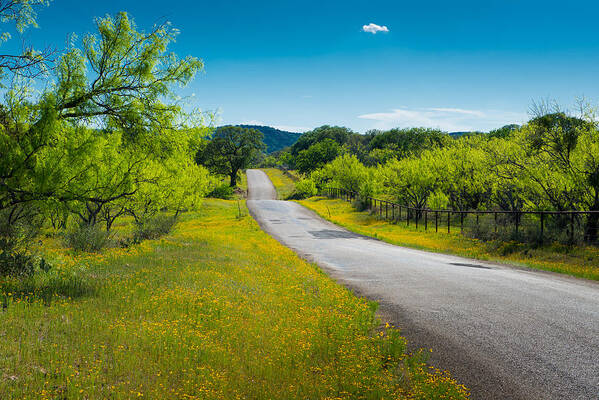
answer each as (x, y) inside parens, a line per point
(506, 333)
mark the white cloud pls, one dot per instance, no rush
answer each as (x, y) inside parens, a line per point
(374, 28)
(447, 119)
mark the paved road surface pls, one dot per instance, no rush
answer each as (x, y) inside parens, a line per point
(505, 333)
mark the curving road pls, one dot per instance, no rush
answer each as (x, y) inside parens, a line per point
(506, 333)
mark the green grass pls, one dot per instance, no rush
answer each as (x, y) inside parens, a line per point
(579, 261)
(284, 184)
(216, 310)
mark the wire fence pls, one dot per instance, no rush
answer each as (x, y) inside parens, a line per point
(539, 227)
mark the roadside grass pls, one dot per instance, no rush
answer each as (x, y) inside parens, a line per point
(284, 184)
(216, 310)
(578, 261)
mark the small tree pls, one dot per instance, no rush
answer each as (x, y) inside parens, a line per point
(231, 149)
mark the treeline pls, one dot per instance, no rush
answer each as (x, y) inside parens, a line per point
(550, 163)
(106, 137)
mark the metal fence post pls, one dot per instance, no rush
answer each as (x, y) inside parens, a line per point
(416, 217)
(542, 225)
(425, 220)
(572, 227)
(495, 222)
(448, 221)
(461, 222)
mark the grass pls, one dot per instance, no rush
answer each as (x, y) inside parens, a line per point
(216, 310)
(580, 261)
(284, 184)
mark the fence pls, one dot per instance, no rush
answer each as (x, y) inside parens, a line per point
(541, 227)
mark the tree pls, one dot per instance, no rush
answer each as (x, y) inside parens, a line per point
(29, 62)
(338, 134)
(408, 142)
(317, 156)
(231, 149)
(121, 81)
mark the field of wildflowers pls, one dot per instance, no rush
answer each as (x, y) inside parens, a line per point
(577, 261)
(216, 310)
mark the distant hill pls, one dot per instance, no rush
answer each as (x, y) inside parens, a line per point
(275, 139)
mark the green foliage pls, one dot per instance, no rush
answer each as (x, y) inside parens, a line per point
(140, 158)
(408, 142)
(339, 135)
(154, 228)
(87, 238)
(305, 188)
(503, 132)
(550, 163)
(316, 156)
(231, 149)
(224, 192)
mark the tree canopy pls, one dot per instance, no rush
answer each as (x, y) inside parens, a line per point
(231, 149)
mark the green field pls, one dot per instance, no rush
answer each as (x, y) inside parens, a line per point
(216, 310)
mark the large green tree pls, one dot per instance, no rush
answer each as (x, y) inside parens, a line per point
(231, 149)
(120, 80)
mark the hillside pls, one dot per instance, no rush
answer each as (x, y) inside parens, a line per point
(275, 139)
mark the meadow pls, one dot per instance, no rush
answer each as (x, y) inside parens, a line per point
(215, 310)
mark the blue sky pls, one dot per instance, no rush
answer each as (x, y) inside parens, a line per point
(296, 65)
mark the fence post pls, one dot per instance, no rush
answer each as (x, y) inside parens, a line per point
(386, 210)
(572, 227)
(425, 220)
(436, 221)
(416, 217)
(517, 223)
(495, 222)
(542, 225)
(393, 211)
(408, 216)
(461, 222)
(448, 221)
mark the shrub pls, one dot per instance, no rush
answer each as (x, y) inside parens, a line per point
(305, 188)
(15, 236)
(88, 238)
(154, 228)
(224, 192)
(16, 264)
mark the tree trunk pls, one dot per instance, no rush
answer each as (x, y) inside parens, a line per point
(233, 177)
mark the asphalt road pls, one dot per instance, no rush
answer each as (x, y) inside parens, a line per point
(506, 333)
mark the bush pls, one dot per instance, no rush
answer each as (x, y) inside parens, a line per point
(154, 228)
(15, 237)
(224, 192)
(16, 264)
(88, 238)
(305, 188)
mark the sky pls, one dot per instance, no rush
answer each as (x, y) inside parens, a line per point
(296, 65)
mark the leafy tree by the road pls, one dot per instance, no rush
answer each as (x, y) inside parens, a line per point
(317, 156)
(231, 149)
(107, 138)
(338, 134)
